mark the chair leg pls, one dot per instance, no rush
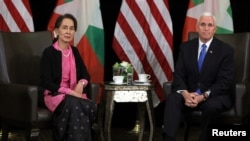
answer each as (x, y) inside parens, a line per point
(100, 120)
(96, 132)
(32, 134)
(186, 131)
(5, 132)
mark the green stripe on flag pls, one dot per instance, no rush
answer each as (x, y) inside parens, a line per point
(196, 2)
(229, 11)
(67, 1)
(221, 30)
(96, 38)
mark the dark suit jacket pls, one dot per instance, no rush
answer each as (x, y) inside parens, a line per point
(217, 72)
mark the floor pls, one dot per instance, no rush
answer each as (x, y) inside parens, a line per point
(121, 131)
(118, 134)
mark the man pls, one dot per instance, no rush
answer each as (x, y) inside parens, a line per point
(196, 85)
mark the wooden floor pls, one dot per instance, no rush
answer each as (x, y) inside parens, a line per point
(118, 134)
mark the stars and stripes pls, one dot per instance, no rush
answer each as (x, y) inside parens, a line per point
(144, 37)
(16, 16)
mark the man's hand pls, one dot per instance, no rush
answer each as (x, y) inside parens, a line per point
(199, 98)
(192, 99)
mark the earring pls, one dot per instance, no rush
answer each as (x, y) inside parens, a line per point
(55, 35)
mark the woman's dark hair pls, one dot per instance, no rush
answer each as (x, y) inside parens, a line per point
(59, 22)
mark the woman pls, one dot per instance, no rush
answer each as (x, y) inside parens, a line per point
(64, 78)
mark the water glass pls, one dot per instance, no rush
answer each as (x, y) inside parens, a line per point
(129, 78)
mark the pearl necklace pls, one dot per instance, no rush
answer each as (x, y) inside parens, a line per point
(65, 55)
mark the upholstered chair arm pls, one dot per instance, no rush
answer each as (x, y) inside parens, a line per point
(242, 99)
(20, 102)
(167, 87)
(94, 91)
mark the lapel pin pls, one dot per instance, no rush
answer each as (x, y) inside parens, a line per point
(210, 51)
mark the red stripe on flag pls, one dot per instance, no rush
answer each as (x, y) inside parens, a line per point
(83, 41)
(168, 36)
(153, 44)
(27, 5)
(3, 25)
(52, 22)
(119, 51)
(60, 2)
(159, 19)
(135, 42)
(15, 14)
(93, 64)
(189, 26)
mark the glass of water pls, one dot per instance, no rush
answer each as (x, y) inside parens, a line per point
(130, 76)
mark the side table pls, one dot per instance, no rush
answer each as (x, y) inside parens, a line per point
(128, 93)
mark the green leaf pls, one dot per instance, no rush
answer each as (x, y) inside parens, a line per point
(130, 69)
(116, 65)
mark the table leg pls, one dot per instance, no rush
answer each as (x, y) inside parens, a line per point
(141, 114)
(150, 111)
(108, 115)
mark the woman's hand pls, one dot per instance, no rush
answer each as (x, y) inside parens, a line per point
(79, 87)
(77, 91)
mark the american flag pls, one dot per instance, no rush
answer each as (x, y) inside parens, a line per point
(15, 16)
(144, 37)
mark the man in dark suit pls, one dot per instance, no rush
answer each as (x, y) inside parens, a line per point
(200, 84)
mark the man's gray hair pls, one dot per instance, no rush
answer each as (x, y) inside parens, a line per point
(206, 14)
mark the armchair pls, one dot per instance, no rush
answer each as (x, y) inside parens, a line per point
(20, 105)
(240, 113)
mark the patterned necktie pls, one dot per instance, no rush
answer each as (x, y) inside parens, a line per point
(202, 56)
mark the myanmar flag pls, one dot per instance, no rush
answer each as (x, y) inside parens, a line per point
(89, 37)
(220, 8)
